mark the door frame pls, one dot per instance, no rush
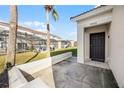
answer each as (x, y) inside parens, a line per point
(86, 43)
(104, 47)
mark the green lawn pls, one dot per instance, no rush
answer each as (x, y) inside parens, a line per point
(32, 56)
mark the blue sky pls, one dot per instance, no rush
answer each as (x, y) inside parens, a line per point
(33, 16)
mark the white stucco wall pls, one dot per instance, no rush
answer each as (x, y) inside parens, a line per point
(33, 67)
(41, 69)
(17, 80)
(117, 44)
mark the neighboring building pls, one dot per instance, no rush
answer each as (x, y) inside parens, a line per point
(73, 43)
(100, 38)
(28, 39)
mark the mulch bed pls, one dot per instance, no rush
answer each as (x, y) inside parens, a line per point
(4, 83)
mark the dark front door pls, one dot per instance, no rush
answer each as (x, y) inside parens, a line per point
(97, 46)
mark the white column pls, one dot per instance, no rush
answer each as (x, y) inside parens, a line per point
(80, 44)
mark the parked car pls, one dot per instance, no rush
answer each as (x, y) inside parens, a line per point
(40, 48)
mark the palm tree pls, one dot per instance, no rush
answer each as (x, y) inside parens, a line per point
(11, 48)
(48, 9)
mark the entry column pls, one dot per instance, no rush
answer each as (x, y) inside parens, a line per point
(80, 44)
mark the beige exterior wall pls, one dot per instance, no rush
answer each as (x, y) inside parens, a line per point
(59, 44)
(72, 43)
(117, 44)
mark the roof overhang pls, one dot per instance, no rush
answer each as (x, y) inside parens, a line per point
(93, 12)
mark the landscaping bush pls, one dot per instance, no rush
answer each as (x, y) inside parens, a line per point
(64, 50)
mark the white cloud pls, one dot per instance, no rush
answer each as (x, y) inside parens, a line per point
(39, 26)
(71, 35)
(1, 20)
(34, 24)
(96, 6)
(27, 23)
(43, 30)
(52, 27)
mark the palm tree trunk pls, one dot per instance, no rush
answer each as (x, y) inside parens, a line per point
(11, 48)
(48, 31)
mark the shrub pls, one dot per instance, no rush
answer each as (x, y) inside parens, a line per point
(64, 50)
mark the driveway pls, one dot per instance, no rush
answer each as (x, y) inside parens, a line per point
(70, 74)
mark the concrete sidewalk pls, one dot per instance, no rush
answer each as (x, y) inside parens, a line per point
(69, 74)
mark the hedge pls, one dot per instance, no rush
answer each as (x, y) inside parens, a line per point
(64, 50)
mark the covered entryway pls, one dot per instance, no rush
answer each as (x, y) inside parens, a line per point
(97, 47)
(92, 22)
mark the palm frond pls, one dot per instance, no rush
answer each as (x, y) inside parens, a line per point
(55, 15)
(48, 7)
